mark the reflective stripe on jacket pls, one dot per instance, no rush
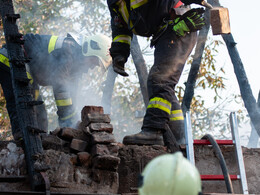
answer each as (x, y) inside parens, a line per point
(5, 65)
(141, 17)
(55, 43)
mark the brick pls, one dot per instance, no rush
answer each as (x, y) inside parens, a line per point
(100, 149)
(96, 118)
(74, 159)
(101, 127)
(78, 145)
(219, 19)
(70, 133)
(86, 130)
(67, 133)
(53, 142)
(56, 131)
(84, 158)
(81, 126)
(102, 138)
(91, 110)
(106, 162)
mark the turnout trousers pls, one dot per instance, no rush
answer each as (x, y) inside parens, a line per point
(6, 83)
(170, 55)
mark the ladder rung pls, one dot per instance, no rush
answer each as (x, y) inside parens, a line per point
(218, 177)
(206, 142)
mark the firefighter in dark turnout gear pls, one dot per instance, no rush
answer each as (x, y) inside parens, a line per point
(173, 27)
(58, 62)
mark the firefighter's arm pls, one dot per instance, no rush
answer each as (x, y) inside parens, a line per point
(120, 48)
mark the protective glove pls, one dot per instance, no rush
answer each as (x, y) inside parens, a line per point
(191, 21)
(119, 65)
(188, 2)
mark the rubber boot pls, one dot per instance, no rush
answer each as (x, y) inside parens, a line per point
(178, 130)
(145, 137)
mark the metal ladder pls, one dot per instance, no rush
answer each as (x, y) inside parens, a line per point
(235, 141)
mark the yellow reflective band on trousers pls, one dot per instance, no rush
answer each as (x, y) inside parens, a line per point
(176, 115)
(4, 60)
(65, 102)
(124, 12)
(69, 116)
(123, 39)
(161, 104)
(36, 94)
(137, 3)
(52, 43)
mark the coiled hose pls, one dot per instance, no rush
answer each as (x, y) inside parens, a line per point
(222, 162)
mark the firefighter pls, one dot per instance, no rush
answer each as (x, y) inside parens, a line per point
(173, 27)
(58, 62)
(170, 174)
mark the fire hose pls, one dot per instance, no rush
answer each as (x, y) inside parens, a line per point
(222, 162)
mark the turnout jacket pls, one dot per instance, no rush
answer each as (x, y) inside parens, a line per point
(54, 61)
(141, 17)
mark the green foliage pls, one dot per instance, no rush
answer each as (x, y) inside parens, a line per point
(60, 17)
(5, 127)
(210, 82)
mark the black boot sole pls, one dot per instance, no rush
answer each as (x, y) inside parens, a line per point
(128, 141)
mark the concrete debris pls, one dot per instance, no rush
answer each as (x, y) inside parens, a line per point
(12, 161)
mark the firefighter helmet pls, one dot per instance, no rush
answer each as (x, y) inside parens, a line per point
(96, 45)
(170, 174)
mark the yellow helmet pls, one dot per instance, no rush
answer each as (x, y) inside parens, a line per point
(96, 45)
(170, 174)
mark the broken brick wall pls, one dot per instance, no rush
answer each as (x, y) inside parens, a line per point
(75, 160)
(89, 160)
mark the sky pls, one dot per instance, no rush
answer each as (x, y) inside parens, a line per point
(245, 28)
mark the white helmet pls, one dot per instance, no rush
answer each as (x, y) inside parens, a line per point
(96, 45)
(170, 174)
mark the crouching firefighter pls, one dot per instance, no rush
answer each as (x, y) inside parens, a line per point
(58, 62)
(173, 27)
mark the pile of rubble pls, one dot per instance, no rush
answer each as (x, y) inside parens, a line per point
(84, 159)
(89, 160)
